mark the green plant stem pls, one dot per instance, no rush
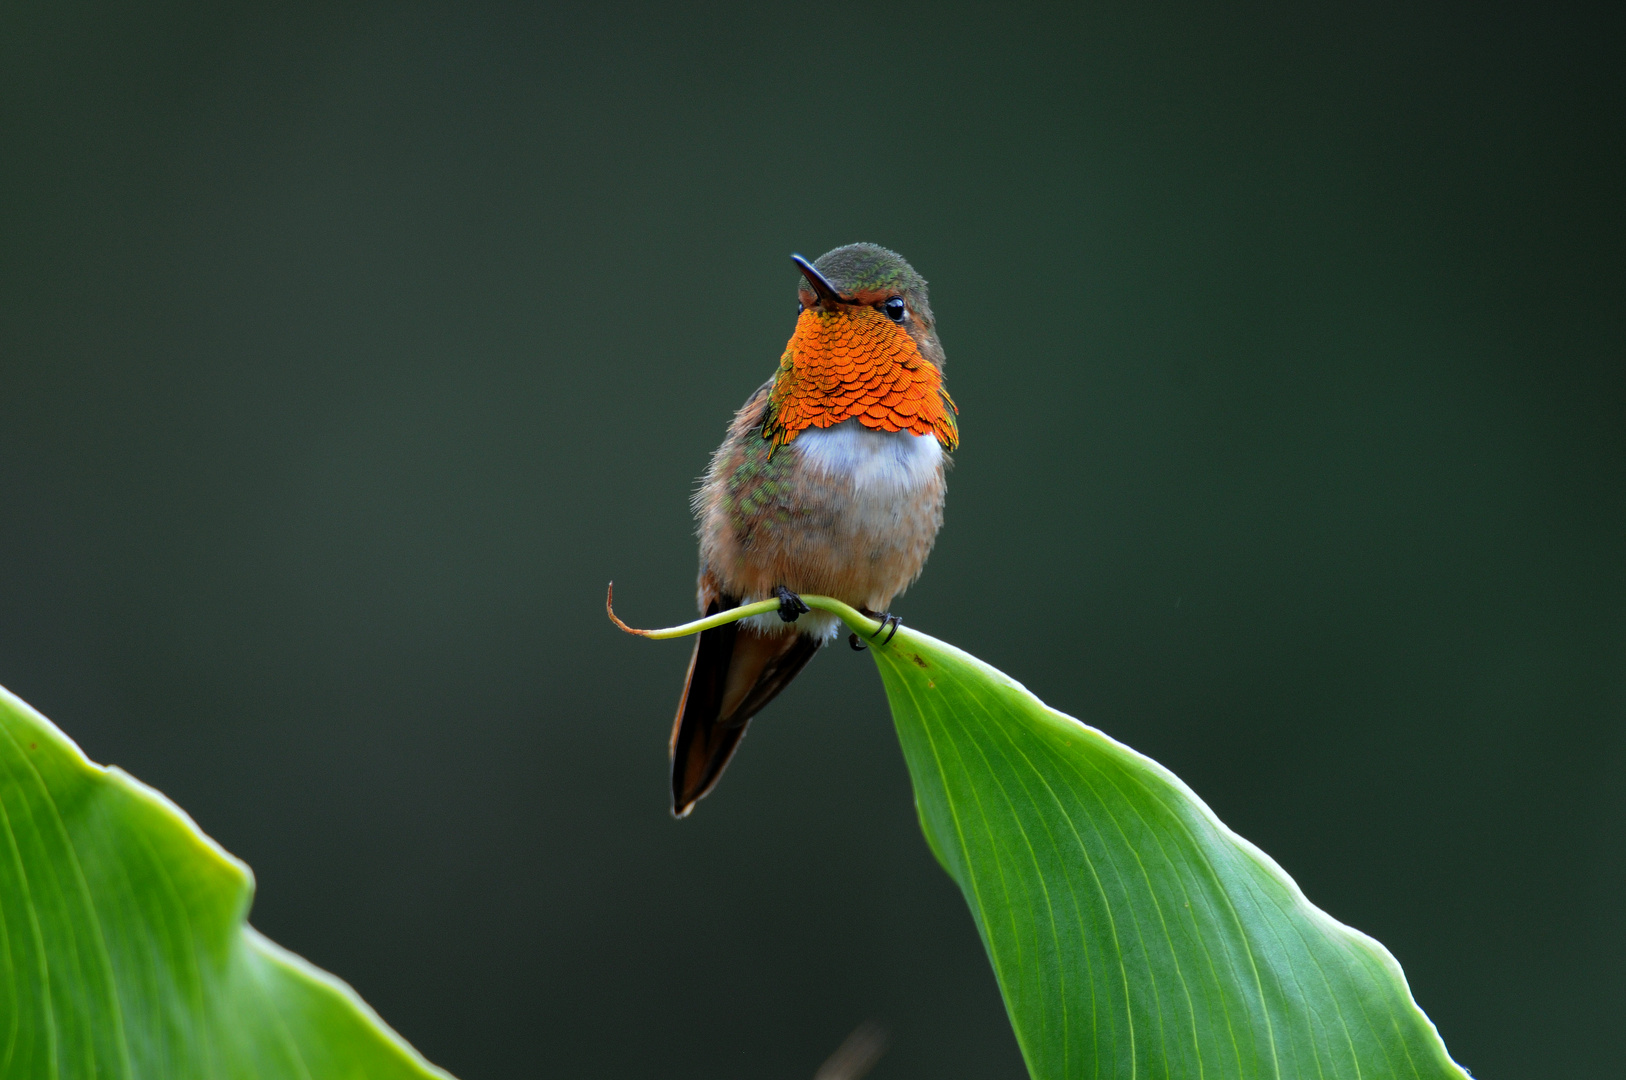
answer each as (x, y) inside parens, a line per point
(846, 612)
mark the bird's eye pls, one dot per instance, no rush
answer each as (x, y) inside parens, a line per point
(894, 309)
(800, 307)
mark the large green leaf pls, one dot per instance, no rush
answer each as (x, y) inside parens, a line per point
(1132, 933)
(124, 950)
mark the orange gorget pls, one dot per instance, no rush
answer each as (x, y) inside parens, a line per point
(855, 362)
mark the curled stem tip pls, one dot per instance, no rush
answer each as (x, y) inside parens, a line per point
(609, 609)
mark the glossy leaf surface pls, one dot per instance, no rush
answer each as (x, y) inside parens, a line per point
(124, 950)
(1132, 933)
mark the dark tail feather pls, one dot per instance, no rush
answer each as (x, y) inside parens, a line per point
(701, 746)
(738, 671)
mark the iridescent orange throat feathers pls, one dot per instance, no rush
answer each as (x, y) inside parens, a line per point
(855, 363)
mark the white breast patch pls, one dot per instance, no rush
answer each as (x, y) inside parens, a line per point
(878, 463)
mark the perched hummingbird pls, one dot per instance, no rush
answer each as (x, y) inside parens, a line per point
(830, 482)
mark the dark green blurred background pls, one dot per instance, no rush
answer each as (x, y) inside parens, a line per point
(349, 350)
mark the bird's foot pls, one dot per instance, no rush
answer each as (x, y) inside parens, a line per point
(889, 622)
(791, 606)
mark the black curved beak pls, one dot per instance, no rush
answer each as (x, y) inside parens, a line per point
(828, 297)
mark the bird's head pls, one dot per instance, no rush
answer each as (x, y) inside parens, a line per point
(865, 348)
(868, 275)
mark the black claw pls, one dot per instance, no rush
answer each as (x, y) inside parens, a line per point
(888, 620)
(855, 645)
(791, 606)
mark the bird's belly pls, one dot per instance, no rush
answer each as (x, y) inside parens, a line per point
(875, 481)
(867, 508)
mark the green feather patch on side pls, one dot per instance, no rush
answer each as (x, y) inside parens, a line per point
(758, 489)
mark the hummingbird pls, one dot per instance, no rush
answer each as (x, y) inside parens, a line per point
(830, 482)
